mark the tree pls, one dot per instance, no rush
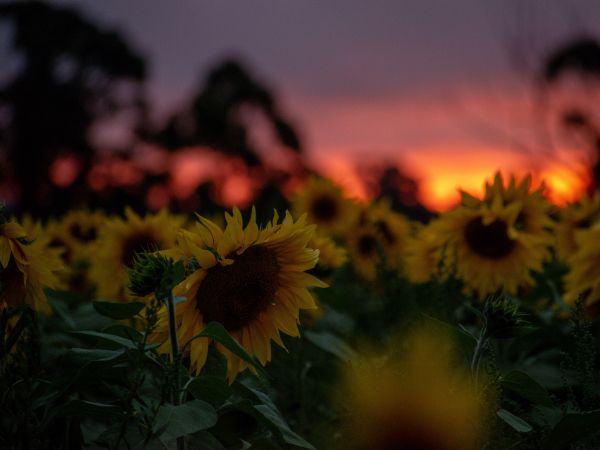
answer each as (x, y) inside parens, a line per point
(72, 76)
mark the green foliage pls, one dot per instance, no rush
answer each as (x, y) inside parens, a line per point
(91, 377)
(154, 274)
(514, 421)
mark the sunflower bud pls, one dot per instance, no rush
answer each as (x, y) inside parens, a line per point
(503, 319)
(154, 273)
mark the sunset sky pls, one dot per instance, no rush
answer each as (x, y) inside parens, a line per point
(444, 89)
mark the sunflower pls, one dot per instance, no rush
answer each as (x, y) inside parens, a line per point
(494, 244)
(82, 227)
(253, 281)
(26, 269)
(534, 215)
(55, 236)
(424, 254)
(575, 217)
(365, 250)
(331, 256)
(583, 278)
(325, 206)
(118, 242)
(394, 232)
(423, 401)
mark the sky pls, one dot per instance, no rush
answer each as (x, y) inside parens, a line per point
(446, 89)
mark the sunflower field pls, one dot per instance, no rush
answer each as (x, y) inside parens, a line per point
(336, 324)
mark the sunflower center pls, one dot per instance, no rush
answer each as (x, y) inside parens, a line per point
(386, 232)
(138, 243)
(83, 235)
(489, 241)
(367, 245)
(57, 242)
(235, 295)
(400, 437)
(12, 286)
(325, 208)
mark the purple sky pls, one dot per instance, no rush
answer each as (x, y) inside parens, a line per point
(342, 48)
(388, 76)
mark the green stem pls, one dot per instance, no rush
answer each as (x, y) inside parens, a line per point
(175, 358)
(477, 353)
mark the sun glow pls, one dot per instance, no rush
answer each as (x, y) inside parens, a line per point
(443, 172)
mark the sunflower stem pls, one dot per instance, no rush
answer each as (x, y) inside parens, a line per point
(477, 353)
(175, 358)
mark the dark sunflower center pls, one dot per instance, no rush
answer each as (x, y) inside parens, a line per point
(57, 242)
(12, 288)
(138, 243)
(489, 241)
(81, 234)
(235, 295)
(367, 245)
(386, 232)
(325, 208)
(400, 437)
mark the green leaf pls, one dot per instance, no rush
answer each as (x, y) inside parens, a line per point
(525, 386)
(203, 440)
(515, 422)
(463, 340)
(108, 337)
(572, 427)
(331, 344)
(124, 331)
(98, 354)
(86, 408)
(216, 331)
(273, 416)
(210, 388)
(118, 311)
(62, 311)
(174, 421)
(269, 415)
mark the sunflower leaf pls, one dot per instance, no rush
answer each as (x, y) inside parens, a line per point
(331, 344)
(173, 421)
(118, 311)
(514, 421)
(98, 354)
(216, 331)
(266, 412)
(84, 408)
(526, 387)
(123, 342)
(210, 388)
(572, 427)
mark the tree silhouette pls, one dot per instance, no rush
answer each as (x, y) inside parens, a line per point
(579, 56)
(214, 118)
(72, 76)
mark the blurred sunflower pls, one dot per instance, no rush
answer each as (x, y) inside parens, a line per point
(83, 227)
(55, 236)
(424, 254)
(534, 215)
(424, 401)
(573, 218)
(325, 205)
(492, 246)
(583, 278)
(331, 256)
(118, 242)
(365, 250)
(26, 269)
(394, 232)
(253, 281)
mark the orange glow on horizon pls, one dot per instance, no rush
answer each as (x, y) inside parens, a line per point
(443, 172)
